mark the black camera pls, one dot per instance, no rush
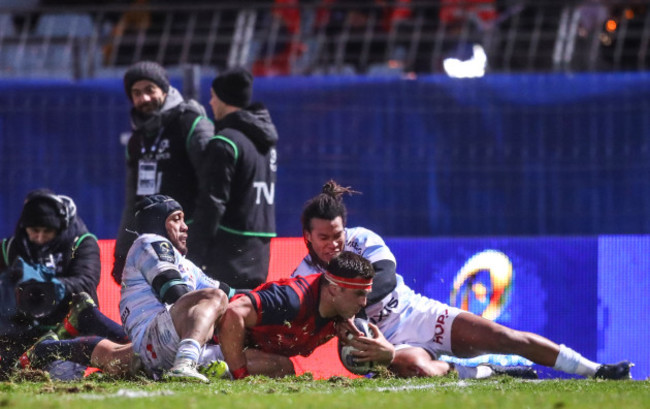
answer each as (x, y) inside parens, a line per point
(36, 299)
(37, 290)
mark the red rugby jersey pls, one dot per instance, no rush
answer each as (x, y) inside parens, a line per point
(288, 321)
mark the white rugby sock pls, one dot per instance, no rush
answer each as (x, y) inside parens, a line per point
(570, 361)
(188, 348)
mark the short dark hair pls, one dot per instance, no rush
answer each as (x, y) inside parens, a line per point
(351, 265)
(328, 205)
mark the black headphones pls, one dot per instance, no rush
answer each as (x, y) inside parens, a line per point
(64, 205)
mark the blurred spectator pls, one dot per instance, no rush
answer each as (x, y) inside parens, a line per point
(366, 31)
(276, 55)
(458, 12)
(299, 22)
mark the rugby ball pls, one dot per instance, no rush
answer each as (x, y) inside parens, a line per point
(345, 351)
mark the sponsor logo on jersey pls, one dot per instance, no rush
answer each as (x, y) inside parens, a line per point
(385, 311)
(164, 251)
(440, 329)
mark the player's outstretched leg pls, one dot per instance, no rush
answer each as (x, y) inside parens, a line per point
(472, 335)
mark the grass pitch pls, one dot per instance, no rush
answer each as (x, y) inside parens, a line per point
(303, 392)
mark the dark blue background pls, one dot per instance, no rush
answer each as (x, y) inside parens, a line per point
(502, 155)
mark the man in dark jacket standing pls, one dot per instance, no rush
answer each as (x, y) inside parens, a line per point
(234, 220)
(164, 151)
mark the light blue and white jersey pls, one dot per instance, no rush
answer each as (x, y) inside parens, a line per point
(403, 316)
(149, 256)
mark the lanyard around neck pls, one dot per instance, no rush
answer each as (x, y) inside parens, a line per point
(154, 146)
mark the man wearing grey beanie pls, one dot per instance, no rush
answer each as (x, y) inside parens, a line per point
(169, 135)
(234, 219)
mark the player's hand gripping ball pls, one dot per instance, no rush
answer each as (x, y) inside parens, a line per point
(349, 361)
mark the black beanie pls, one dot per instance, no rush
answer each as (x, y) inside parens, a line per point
(42, 209)
(151, 214)
(146, 70)
(234, 87)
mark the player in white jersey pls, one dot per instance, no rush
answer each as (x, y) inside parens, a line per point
(415, 330)
(168, 306)
(401, 315)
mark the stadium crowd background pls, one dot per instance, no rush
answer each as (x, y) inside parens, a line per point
(552, 141)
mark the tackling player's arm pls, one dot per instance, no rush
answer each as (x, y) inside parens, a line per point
(384, 281)
(375, 250)
(241, 314)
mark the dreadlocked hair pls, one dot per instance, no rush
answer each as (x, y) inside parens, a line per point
(328, 205)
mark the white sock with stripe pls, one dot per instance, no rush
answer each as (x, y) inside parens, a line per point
(188, 348)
